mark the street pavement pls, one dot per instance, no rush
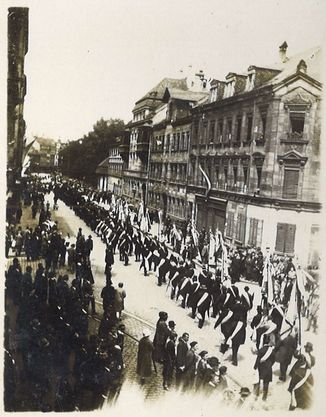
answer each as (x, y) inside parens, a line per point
(145, 299)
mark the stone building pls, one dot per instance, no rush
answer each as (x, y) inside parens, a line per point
(257, 139)
(17, 49)
(110, 171)
(135, 148)
(44, 155)
(169, 152)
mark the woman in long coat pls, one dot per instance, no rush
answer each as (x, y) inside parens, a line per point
(145, 357)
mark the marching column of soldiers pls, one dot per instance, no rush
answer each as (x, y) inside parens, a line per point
(204, 292)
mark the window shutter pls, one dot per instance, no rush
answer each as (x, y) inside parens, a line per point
(250, 242)
(290, 184)
(290, 238)
(242, 228)
(230, 225)
(259, 232)
(280, 237)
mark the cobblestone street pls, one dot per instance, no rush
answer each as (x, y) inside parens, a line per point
(141, 314)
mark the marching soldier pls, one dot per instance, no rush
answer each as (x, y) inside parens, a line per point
(264, 363)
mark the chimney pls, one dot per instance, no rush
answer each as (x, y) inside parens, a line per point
(282, 51)
(302, 66)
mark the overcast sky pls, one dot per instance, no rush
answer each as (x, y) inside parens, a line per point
(95, 58)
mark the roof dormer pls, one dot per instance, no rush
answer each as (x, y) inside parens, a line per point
(258, 76)
(216, 90)
(235, 84)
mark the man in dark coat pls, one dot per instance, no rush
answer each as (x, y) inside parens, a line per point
(190, 366)
(182, 350)
(109, 258)
(169, 360)
(88, 246)
(108, 296)
(284, 351)
(264, 363)
(160, 338)
(13, 281)
(145, 357)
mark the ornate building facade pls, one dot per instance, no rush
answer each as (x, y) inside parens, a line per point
(169, 153)
(257, 140)
(242, 156)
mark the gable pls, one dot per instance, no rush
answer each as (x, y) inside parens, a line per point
(299, 85)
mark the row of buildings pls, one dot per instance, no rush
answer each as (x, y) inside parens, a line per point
(240, 154)
(18, 20)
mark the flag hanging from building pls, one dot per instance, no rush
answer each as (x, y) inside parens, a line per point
(208, 182)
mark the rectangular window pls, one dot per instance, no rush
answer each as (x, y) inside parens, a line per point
(297, 123)
(212, 131)
(259, 170)
(217, 172)
(229, 130)
(167, 143)
(220, 131)
(226, 174)
(255, 232)
(249, 128)
(178, 142)
(239, 124)
(196, 131)
(235, 174)
(204, 133)
(245, 175)
(263, 123)
(285, 238)
(290, 183)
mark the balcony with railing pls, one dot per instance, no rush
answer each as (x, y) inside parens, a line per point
(298, 138)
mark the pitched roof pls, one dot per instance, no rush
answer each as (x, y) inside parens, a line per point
(154, 96)
(312, 58)
(185, 95)
(46, 141)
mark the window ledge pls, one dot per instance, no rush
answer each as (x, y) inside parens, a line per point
(294, 141)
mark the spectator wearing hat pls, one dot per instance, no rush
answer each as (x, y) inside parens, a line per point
(211, 377)
(171, 326)
(145, 357)
(169, 360)
(161, 335)
(201, 369)
(120, 295)
(88, 246)
(190, 366)
(244, 400)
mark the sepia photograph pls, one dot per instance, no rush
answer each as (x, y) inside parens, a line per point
(162, 207)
